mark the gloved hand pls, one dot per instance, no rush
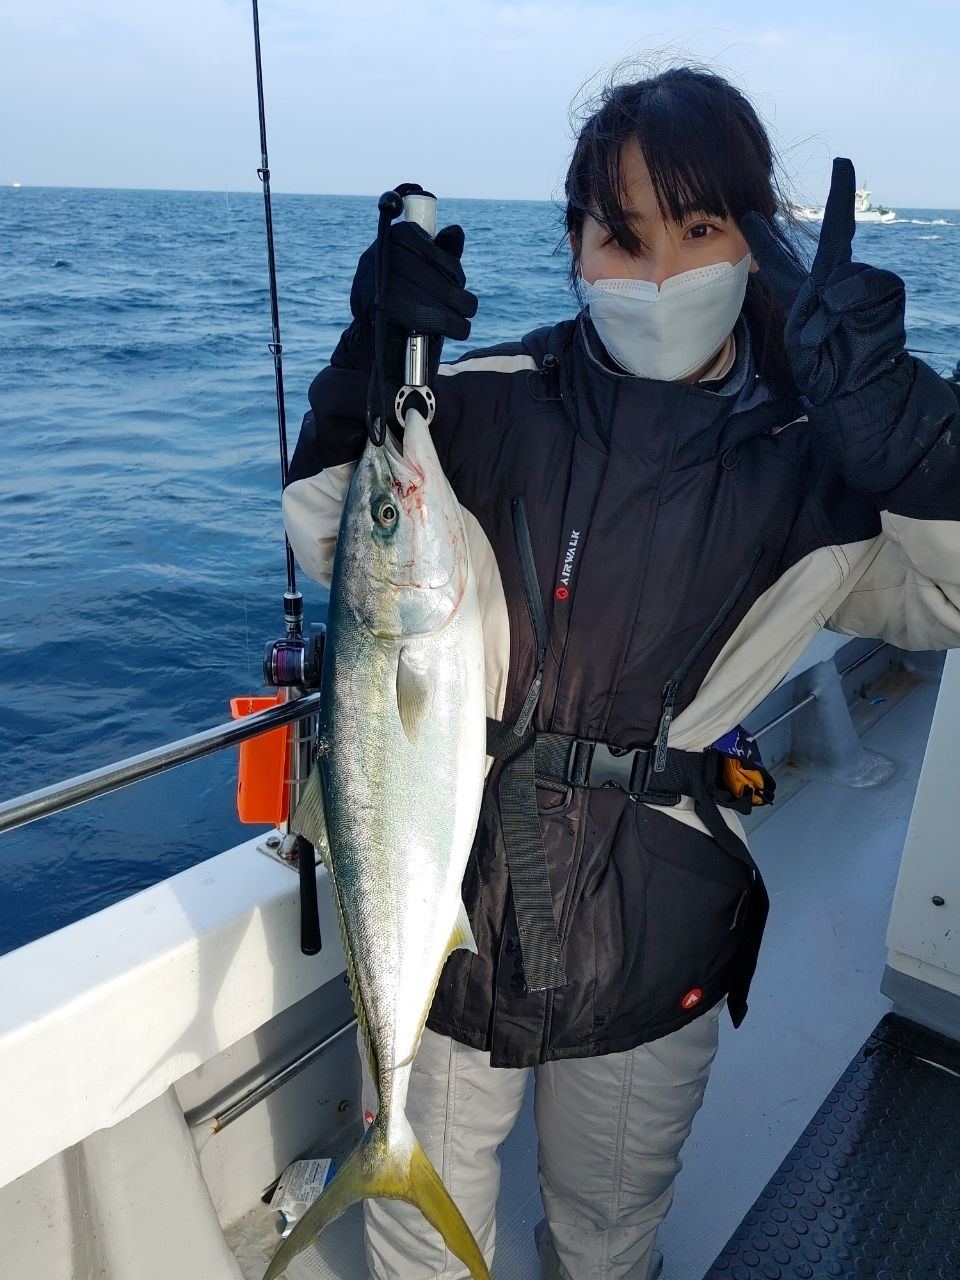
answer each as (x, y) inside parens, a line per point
(845, 328)
(844, 338)
(424, 293)
(425, 283)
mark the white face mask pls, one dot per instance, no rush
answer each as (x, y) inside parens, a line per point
(670, 332)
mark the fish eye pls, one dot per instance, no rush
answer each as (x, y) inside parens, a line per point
(386, 514)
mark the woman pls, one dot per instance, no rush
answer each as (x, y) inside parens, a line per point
(666, 497)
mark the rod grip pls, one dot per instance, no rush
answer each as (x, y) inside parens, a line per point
(310, 940)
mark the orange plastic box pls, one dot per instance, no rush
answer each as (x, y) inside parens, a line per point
(262, 793)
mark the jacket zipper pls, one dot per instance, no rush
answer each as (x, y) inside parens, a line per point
(672, 687)
(531, 590)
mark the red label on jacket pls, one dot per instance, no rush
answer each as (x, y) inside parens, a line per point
(691, 999)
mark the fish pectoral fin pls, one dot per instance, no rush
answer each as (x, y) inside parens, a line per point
(462, 937)
(310, 816)
(414, 691)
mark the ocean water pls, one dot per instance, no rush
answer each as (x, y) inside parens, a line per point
(141, 543)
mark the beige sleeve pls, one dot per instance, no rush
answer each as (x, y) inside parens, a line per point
(909, 591)
(311, 516)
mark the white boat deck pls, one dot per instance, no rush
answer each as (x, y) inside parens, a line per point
(830, 856)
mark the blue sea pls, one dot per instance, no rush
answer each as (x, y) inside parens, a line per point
(141, 544)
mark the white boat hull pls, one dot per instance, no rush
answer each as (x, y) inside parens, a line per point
(875, 215)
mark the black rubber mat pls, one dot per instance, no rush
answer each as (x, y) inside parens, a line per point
(872, 1187)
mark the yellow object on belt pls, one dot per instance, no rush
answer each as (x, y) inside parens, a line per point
(737, 777)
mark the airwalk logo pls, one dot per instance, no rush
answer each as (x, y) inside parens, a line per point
(563, 588)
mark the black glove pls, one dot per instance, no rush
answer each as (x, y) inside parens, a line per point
(424, 293)
(845, 326)
(425, 283)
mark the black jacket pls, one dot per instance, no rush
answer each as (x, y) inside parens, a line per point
(647, 502)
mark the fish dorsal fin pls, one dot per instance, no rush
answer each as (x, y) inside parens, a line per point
(462, 936)
(310, 816)
(413, 693)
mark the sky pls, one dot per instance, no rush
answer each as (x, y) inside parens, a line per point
(471, 98)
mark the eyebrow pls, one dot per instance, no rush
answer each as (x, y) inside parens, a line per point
(689, 212)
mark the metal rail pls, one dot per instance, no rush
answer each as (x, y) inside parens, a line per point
(218, 1120)
(811, 697)
(98, 782)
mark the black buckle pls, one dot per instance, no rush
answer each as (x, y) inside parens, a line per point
(596, 764)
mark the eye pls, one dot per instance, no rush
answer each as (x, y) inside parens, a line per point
(701, 230)
(386, 514)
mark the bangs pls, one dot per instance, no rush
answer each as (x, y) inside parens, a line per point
(686, 180)
(702, 144)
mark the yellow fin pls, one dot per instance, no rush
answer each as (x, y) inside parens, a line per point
(399, 1173)
(462, 936)
(310, 817)
(413, 694)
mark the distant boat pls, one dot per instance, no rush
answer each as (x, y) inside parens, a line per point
(863, 210)
(15, 184)
(806, 213)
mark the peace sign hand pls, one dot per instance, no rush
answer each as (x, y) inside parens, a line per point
(845, 325)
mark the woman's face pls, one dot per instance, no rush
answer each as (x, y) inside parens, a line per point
(669, 247)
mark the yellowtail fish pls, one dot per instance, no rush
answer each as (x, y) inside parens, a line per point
(393, 803)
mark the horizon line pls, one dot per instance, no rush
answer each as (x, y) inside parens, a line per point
(336, 195)
(274, 191)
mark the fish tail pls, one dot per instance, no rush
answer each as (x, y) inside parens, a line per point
(395, 1173)
(431, 1197)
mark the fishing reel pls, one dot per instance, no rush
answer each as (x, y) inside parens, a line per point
(296, 663)
(296, 660)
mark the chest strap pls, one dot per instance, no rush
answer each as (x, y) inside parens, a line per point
(526, 859)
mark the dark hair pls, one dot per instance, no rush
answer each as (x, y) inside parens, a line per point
(705, 149)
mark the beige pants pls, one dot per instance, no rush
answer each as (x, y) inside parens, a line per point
(610, 1131)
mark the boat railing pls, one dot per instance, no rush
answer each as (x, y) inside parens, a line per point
(46, 801)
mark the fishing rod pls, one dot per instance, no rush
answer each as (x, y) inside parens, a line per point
(291, 664)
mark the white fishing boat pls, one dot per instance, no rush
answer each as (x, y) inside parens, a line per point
(806, 213)
(164, 1060)
(863, 211)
